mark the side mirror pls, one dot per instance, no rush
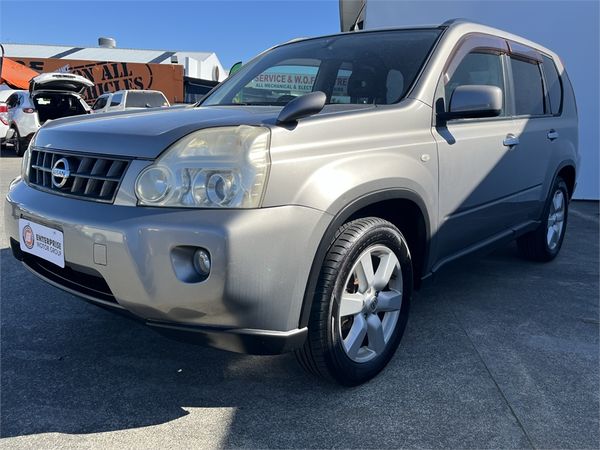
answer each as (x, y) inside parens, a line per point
(304, 106)
(474, 101)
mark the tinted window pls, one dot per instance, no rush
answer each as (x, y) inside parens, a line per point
(145, 100)
(553, 85)
(100, 103)
(374, 67)
(116, 99)
(476, 68)
(529, 89)
(12, 101)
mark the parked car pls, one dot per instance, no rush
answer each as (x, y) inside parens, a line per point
(298, 206)
(4, 94)
(50, 96)
(129, 99)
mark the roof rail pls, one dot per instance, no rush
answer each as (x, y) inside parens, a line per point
(457, 20)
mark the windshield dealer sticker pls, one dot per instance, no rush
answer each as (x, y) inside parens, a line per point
(41, 241)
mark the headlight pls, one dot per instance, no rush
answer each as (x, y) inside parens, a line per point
(213, 168)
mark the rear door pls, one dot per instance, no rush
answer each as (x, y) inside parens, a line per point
(478, 193)
(537, 121)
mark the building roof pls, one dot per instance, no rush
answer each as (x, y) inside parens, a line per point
(100, 53)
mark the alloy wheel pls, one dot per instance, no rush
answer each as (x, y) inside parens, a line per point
(370, 303)
(556, 219)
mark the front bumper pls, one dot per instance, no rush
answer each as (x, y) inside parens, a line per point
(261, 260)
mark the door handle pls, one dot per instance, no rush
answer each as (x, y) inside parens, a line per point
(510, 140)
(552, 134)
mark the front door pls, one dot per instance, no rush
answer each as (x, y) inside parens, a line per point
(477, 187)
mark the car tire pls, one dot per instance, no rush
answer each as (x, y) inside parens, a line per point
(544, 243)
(361, 303)
(18, 144)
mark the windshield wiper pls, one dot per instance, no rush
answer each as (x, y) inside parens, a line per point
(228, 104)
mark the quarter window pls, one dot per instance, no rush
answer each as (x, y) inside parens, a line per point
(116, 99)
(553, 85)
(528, 88)
(476, 68)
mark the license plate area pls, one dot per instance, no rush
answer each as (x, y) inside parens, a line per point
(42, 241)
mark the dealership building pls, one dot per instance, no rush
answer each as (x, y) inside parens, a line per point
(183, 76)
(568, 28)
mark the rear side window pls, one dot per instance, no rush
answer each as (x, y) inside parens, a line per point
(529, 88)
(116, 99)
(476, 68)
(553, 85)
(145, 100)
(100, 103)
(13, 100)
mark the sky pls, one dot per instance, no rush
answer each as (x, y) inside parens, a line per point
(234, 30)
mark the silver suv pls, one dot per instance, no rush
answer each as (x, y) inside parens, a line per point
(298, 206)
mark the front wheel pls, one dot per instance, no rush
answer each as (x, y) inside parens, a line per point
(361, 303)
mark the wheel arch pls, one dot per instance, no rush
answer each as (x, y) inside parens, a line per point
(376, 204)
(566, 170)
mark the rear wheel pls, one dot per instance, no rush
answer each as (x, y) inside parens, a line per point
(361, 304)
(544, 243)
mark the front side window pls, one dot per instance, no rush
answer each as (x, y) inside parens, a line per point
(362, 68)
(476, 68)
(528, 87)
(100, 103)
(553, 84)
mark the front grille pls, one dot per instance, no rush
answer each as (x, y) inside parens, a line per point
(91, 177)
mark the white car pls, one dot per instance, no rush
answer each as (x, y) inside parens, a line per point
(129, 99)
(50, 96)
(5, 92)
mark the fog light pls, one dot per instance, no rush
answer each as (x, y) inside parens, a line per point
(201, 262)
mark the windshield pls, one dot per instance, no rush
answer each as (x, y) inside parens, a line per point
(362, 68)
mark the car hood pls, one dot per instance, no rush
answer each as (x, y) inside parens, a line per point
(144, 133)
